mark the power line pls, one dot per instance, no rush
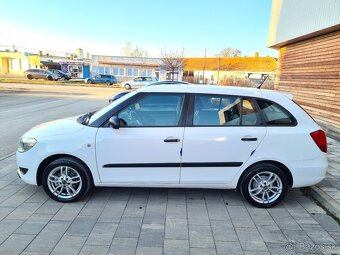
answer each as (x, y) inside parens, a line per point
(192, 52)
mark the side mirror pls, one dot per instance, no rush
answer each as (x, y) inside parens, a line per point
(114, 122)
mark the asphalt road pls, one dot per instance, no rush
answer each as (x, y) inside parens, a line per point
(23, 106)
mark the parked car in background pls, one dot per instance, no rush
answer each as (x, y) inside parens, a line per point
(102, 78)
(117, 96)
(138, 82)
(41, 74)
(168, 83)
(259, 142)
(63, 75)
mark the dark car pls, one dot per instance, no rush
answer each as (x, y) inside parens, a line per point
(117, 96)
(41, 74)
(63, 75)
(102, 78)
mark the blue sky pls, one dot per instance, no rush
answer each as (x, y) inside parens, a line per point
(103, 27)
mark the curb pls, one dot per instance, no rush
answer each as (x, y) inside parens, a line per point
(325, 200)
(7, 156)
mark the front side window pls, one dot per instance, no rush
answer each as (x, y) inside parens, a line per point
(155, 110)
(212, 110)
(275, 115)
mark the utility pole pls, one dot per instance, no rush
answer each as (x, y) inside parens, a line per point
(205, 57)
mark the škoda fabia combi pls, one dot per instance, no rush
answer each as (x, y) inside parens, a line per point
(256, 141)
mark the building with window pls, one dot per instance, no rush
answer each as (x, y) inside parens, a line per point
(214, 70)
(307, 35)
(15, 63)
(127, 68)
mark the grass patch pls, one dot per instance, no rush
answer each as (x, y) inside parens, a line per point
(306, 193)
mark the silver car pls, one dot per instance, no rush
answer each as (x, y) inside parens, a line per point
(138, 82)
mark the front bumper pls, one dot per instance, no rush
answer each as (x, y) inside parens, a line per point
(27, 161)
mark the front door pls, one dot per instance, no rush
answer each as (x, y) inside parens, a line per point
(224, 133)
(147, 149)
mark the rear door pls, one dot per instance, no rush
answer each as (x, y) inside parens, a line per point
(222, 134)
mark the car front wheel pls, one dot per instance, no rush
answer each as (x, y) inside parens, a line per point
(127, 86)
(66, 180)
(108, 83)
(89, 81)
(264, 185)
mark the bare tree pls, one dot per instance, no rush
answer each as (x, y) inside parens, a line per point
(230, 52)
(172, 61)
(133, 51)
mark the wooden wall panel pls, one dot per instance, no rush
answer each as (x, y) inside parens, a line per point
(310, 70)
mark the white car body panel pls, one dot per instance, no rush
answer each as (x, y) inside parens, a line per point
(145, 145)
(291, 146)
(217, 144)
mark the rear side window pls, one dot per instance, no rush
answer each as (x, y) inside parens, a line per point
(225, 111)
(275, 115)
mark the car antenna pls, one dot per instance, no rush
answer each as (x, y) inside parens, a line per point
(265, 78)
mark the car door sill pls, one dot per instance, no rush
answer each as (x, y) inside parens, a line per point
(165, 185)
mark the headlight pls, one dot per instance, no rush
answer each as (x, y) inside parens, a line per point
(26, 143)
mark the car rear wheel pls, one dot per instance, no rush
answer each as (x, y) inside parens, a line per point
(108, 83)
(127, 86)
(264, 185)
(29, 77)
(66, 180)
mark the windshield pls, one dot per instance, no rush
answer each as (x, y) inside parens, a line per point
(108, 108)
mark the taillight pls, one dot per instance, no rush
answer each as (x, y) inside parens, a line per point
(319, 138)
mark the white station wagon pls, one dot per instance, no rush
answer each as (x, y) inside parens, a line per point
(190, 136)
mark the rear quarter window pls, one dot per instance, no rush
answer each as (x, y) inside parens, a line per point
(274, 114)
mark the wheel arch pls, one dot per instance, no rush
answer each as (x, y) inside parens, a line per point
(54, 157)
(280, 165)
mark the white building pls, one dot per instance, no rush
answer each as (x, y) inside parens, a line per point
(126, 68)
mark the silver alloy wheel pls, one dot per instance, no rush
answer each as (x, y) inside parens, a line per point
(64, 182)
(265, 187)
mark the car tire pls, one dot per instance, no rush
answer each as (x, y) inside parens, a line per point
(264, 185)
(108, 83)
(49, 78)
(89, 81)
(58, 176)
(127, 86)
(29, 77)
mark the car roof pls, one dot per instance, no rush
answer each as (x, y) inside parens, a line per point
(214, 89)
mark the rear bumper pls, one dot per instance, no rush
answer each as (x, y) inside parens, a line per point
(308, 172)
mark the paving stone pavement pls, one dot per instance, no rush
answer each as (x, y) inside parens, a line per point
(330, 186)
(158, 221)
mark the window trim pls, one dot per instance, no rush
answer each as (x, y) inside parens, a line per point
(186, 119)
(190, 112)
